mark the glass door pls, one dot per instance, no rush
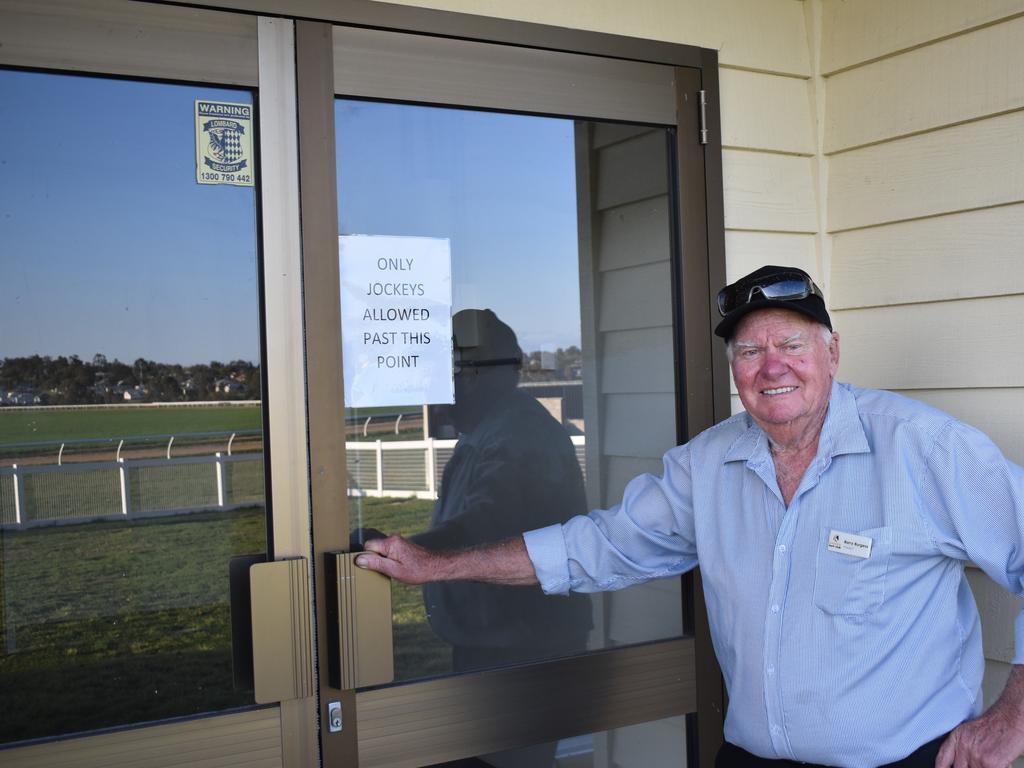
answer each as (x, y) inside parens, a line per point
(131, 425)
(508, 282)
(553, 386)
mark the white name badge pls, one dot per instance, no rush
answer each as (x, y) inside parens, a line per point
(849, 544)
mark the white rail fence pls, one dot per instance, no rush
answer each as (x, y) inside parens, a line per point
(407, 468)
(47, 494)
(35, 494)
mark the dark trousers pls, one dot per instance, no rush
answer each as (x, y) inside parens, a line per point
(731, 756)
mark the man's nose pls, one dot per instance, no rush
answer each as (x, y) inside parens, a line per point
(774, 363)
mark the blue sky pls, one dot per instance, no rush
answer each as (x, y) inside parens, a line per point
(108, 244)
(501, 187)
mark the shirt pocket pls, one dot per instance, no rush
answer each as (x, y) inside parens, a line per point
(846, 585)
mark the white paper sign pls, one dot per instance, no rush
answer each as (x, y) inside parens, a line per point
(396, 319)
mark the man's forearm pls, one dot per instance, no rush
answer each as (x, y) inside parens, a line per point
(505, 562)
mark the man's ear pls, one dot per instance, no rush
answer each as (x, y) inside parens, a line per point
(833, 351)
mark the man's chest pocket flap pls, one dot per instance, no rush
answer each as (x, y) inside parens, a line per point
(846, 584)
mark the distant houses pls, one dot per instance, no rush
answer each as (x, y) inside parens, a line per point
(22, 396)
(135, 394)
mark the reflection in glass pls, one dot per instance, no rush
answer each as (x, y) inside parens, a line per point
(564, 387)
(514, 469)
(131, 463)
(655, 744)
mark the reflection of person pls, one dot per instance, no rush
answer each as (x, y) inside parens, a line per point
(858, 651)
(513, 469)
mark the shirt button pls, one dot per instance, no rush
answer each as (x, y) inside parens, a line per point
(782, 548)
(776, 730)
(771, 671)
(775, 609)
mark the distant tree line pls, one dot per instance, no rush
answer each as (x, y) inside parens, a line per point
(45, 380)
(72, 381)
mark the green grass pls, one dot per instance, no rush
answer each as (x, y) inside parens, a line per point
(19, 425)
(110, 623)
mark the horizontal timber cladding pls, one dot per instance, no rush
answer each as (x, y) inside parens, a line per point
(750, 250)
(769, 192)
(912, 261)
(963, 78)
(766, 112)
(853, 33)
(968, 166)
(953, 344)
(640, 349)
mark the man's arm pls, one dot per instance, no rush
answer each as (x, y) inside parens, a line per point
(505, 562)
(994, 739)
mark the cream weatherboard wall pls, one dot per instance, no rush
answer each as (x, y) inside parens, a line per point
(924, 140)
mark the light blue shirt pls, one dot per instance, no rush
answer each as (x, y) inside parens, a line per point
(828, 657)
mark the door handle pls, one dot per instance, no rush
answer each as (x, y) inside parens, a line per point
(281, 630)
(360, 648)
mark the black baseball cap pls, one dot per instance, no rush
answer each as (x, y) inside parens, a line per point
(770, 287)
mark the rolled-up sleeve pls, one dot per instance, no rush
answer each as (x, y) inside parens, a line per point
(649, 535)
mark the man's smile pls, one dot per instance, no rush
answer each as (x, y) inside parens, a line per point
(778, 391)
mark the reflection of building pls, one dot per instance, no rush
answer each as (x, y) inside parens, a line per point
(135, 394)
(228, 387)
(570, 393)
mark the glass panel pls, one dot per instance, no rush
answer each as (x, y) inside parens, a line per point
(655, 744)
(559, 237)
(131, 458)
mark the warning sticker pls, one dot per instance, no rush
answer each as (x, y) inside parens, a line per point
(224, 143)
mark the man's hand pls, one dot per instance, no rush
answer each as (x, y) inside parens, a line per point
(400, 559)
(506, 562)
(996, 738)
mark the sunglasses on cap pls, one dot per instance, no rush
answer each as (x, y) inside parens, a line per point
(472, 365)
(784, 286)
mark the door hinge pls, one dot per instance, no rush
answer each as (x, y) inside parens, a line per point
(702, 99)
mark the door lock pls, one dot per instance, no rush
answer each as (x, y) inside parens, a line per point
(334, 716)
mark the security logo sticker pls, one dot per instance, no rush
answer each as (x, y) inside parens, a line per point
(223, 143)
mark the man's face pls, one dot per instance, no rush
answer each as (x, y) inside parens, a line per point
(783, 368)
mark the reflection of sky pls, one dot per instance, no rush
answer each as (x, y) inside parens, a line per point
(107, 243)
(501, 187)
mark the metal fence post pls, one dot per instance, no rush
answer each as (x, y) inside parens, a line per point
(123, 472)
(219, 464)
(431, 467)
(19, 494)
(380, 467)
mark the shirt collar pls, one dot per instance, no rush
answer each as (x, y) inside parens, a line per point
(841, 433)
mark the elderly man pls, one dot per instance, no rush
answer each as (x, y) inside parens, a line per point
(832, 525)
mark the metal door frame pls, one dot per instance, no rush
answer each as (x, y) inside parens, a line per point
(303, 360)
(620, 687)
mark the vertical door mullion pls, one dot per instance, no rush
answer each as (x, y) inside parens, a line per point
(285, 359)
(329, 481)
